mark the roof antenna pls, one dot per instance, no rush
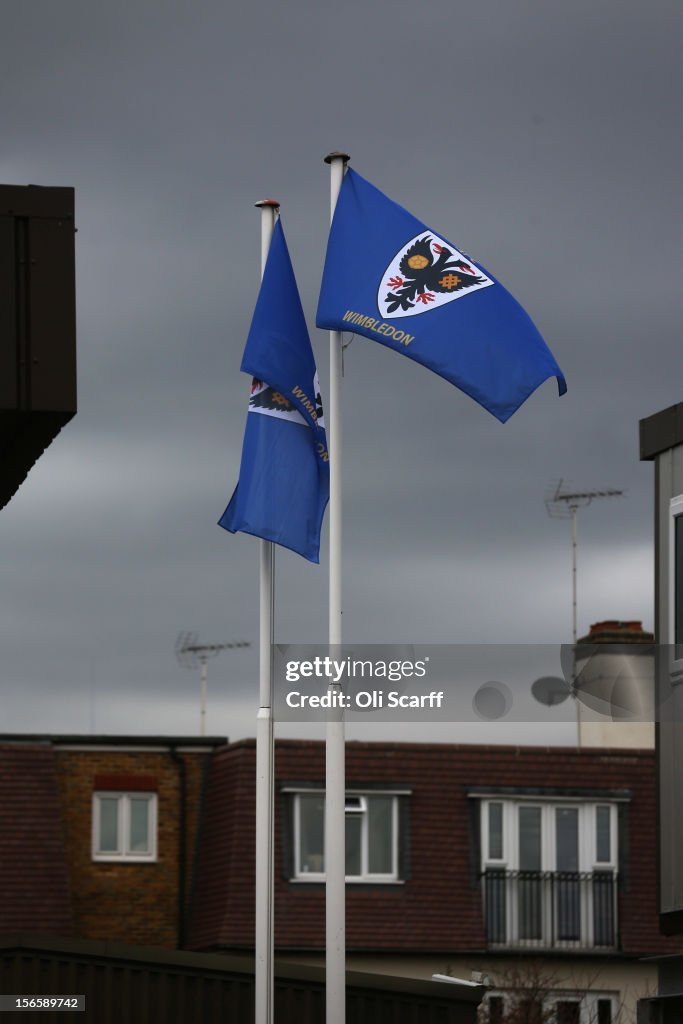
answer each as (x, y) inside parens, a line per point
(190, 654)
(563, 504)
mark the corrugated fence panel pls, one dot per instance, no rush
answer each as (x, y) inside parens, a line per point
(157, 987)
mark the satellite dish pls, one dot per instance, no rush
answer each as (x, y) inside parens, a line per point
(618, 682)
(550, 690)
(492, 701)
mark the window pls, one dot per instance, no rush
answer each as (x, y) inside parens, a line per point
(676, 571)
(568, 1011)
(124, 826)
(371, 837)
(589, 1008)
(496, 1009)
(550, 873)
(534, 1004)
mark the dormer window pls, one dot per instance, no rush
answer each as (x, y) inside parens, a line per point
(124, 826)
(549, 872)
(371, 837)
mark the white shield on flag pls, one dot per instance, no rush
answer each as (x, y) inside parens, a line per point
(266, 401)
(427, 272)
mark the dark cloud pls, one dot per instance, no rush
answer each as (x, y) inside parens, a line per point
(538, 135)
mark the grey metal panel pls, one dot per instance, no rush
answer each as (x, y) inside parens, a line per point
(668, 484)
(663, 494)
(662, 431)
(665, 731)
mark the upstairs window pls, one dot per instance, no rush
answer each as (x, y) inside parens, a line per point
(550, 872)
(371, 837)
(539, 835)
(124, 826)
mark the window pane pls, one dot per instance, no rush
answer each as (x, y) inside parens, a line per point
(380, 835)
(529, 1011)
(495, 831)
(495, 903)
(678, 582)
(311, 832)
(567, 838)
(109, 832)
(604, 908)
(354, 826)
(567, 1012)
(496, 1009)
(139, 824)
(567, 906)
(530, 838)
(604, 1011)
(530, 904)
(602, 829)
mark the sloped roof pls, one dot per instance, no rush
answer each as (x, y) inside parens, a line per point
(439, 906)
(34, 888)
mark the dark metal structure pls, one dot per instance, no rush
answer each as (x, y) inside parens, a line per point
(37, 325)
(661, 442)
(154, 986)
(551, 909)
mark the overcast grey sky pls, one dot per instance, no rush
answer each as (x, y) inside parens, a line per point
(542, 137)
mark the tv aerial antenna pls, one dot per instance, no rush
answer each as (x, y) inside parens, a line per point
(191, 655)
(563, 503)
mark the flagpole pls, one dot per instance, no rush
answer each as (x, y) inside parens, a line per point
(335, 788)
(264, 946)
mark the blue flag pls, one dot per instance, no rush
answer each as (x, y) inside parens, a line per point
(284, 475)
(389, 277)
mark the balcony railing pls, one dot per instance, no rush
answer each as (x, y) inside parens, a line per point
(551, 909)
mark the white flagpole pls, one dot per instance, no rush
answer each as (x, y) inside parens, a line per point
(335, 788)
(263, 965)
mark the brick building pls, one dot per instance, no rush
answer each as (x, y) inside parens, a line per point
(98, 835)
(459, 858)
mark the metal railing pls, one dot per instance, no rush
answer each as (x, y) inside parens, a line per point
(551, 909)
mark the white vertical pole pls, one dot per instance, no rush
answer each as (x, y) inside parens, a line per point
(335, 789)
(574, 630)
(263, 964)
(203, 672)
(574, 624)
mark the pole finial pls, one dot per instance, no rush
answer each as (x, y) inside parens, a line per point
(268, 202)
(337, 154)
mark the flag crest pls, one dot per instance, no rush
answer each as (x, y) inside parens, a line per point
(391, 278)
(424, 274)
(283, 484)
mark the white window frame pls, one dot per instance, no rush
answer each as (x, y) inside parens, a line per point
(124, 853)
(588, 1003)
(675, 511)
(365, 875)
(588, 852)
(587, 863)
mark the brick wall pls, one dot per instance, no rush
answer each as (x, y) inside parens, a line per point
(439, 906)
(129, 901)
(34, 886)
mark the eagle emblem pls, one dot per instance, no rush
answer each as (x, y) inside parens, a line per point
(426, 273)
(269, 402)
